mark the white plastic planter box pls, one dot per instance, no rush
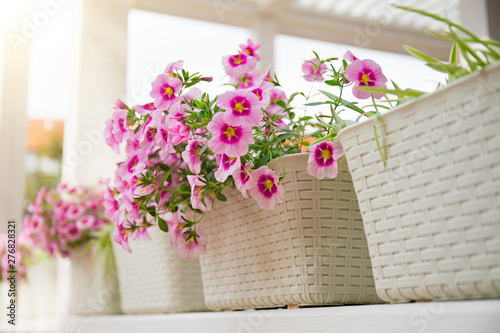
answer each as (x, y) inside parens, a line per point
(154, 279)
(432, 217)
(93, 291)
(310, 250)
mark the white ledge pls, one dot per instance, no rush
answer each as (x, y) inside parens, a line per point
(439, 317)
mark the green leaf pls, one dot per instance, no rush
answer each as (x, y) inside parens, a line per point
(221, 197)
(323, 139)
(420, 55)
(151, 210)
(283, 137)
(162, 224)
(343, 102)
(332, 82)
(400, 93)
(158, 197)
(454, 54)
(183, 187)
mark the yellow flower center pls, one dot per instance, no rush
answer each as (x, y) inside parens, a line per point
(197, 151)
(238, 107)
(169, 91)
(365, 79)
(238, 60)
(269, 184)
(230, 132)
(326, 154)
(249, 52)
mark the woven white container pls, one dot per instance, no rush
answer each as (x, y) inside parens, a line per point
(92, 293)
(310, 250)
(432, 218)
(154, 279)
(36, 294)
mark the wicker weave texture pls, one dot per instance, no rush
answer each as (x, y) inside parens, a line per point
(432, 217)
(154, 279)
(91, 292)
(310, 250)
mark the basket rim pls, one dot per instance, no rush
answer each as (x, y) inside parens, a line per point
(359, 127)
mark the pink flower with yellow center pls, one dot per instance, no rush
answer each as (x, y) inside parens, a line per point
(227, 165)
(313, 70)
(276, 95)
(365, 73)
(197, 184)
(232, 140)
(71, 232)
(266, 189)
(165, 90)
(243, 178)
(121, 235)
(145, 109)
(238, 64)
(116, 129)
(250, 49)
(242, 107)
(246, 80)
(323, 158)
(174, 66)
(86, 222)
(187, 242)
(192, 155)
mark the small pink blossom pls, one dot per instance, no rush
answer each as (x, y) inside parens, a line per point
(242, 107)
(229, 139)
(174, 66)
(250, 49)
(276, 95)
(243, 178)
(238, 64)
(313, 70)
(145, 109)
(323, 158)
(178, 131)
(165, 90)
(246, 80)
(192, 155)
(188, 242)
(365, 73)
(227, 166)
(348, 56)
(120, 235)
(197, 184)
(86, 222)
(72, 233)
(266, 190)
(75, 212)
(116, 129)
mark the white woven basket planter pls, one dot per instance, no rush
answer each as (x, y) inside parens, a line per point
(310, 250)
(154, 279)
(432, 217)
(36, 295)
(92, 293)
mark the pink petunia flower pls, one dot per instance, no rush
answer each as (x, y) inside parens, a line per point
(145, 109)
(243, 178)
(165, 90)
(242, 107)
(348, 56)
(178, 131)
(266, 189)
(227, 166)
(365, 73)
(229, 139)
(250, 49)
(197, 186)
(174, 66)
(238, 64)
(246, 80)
(116, 129)
(323, 158)
(188, 242)
(276, 95)
(313, 70)
(120, 235)
(86, 222)
(75, 211)
(71, 232)
(192, 155)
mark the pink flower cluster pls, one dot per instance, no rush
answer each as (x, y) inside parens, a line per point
(64, 218)
(10, 256)
(182, 148)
